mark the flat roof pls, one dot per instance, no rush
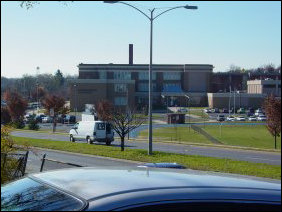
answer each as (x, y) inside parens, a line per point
(142, 67)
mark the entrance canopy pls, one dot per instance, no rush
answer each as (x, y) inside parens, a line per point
(173, 91)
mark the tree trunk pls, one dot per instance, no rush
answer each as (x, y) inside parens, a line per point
(122, 143)
(54, 124)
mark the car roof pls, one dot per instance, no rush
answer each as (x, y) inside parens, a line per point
(94, 183)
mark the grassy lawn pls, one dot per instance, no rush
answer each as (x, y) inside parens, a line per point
(248, 136)
(192, 162)
(176, 134)
(199, 113)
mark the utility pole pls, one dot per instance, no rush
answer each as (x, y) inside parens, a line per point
(234, 101)
(229, 99)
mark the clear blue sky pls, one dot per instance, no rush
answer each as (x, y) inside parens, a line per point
(54, 36)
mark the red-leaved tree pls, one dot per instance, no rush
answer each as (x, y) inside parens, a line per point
(57, 104)
(272, 107)
(104, 110)
(16, 105)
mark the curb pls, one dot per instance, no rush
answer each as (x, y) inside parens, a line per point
(87, 155)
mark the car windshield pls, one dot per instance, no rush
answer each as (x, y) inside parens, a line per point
(29, 195)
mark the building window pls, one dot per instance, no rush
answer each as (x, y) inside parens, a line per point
(145, 87)
(120, 88)
(86, 91)
(102, 75)
(122, 75)
(144, 75)
(269, 86)
(172, 75)
(119, 101)
(172, 87)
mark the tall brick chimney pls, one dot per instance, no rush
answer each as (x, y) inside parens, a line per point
(130, 54)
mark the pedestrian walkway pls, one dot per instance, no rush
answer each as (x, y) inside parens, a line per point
(204, 133)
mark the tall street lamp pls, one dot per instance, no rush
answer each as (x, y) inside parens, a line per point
(151, 18)
(75, 100)
(188, 98)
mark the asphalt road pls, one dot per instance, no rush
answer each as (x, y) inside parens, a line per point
(35, 160)
(235, 154)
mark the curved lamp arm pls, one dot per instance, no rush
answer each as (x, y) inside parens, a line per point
(186, 7)
(113, 2)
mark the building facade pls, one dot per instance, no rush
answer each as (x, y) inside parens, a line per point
(127, 84)
(268, 87)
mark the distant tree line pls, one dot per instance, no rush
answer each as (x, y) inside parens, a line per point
(30, 86)
(265, 69)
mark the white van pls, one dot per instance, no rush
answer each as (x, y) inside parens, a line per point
(99, 131)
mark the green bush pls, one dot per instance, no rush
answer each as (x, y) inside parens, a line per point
(18, 124)
(33, 125)
(9, 164)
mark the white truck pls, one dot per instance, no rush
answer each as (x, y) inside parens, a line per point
(91, 131)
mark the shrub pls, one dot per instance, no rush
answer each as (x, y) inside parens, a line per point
(9, 163)
(33, 125)
(5, 116)
(18, 124)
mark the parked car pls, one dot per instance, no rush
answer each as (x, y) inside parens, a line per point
(259, 111)
(241, 110)
(91, 131)
(39, 117)
(27, 117)
(207, 110)
(216, 110)
(220, 118)
(261, 118)
(259, 114)
(60, 118)
(231, 110)
(224, 110)
(47, 119)
(251, 110)
(249, 114)
(230, 118)
(182, 110)
(138, 189)
(212, 110)
(69, 119)
(252, 118)
(240, 118)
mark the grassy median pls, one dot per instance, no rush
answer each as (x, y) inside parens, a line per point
(182, 134)
(190, 161)
(248, 136)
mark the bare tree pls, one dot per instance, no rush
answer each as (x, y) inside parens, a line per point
(272, 108)
(57, 104)
(124, 121)
(30, 4)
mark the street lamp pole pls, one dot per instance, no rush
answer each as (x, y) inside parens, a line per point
(151, 19)
(37, 98)
(188, 111)
(75, 99)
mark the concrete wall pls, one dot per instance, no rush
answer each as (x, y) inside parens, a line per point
(221, 100)
(265, 87)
